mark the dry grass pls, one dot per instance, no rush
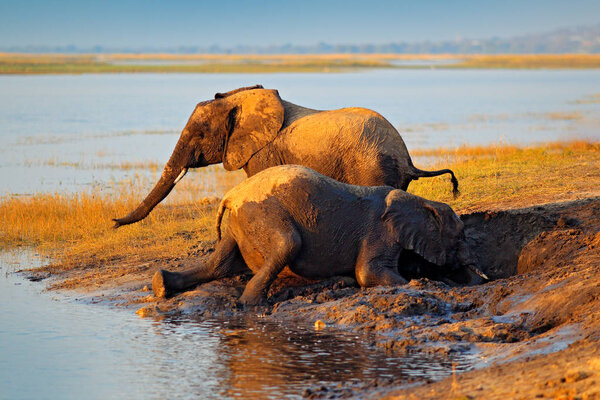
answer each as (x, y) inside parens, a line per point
(52, 221)
(530, 61)
(13, 63)
(265, 57)
(566, 116)
(590, 99)
(76, 229)
(496, 177)
(123, 165)
(162, 63)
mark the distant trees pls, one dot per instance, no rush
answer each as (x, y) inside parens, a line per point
(584, 39)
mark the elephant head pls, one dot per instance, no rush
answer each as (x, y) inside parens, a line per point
(428, 228)
(228, 129)
(433, 235)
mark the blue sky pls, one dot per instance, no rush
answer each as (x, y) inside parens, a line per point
(231, 22)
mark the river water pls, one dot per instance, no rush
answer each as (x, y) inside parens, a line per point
(65, 133)
(68, 133)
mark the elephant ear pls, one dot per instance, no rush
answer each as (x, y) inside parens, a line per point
(255, 120)
(416, 225)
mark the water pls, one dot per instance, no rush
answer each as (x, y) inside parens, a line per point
(65, 133)
(55, 347)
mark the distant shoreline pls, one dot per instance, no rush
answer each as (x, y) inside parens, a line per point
(32, 64)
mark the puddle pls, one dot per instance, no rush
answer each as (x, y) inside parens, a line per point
(53, 346)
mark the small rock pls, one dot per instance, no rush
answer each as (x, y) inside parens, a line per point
(566, 221)
(320, 325)
(574, 376)
(145, 289)
(151, 311)
(144, 312)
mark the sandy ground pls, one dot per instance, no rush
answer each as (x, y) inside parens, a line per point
(534, 329)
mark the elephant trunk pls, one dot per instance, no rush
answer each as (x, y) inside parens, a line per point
(173, 172)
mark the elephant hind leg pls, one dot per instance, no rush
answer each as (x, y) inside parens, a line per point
(285, 243)
(225, 261)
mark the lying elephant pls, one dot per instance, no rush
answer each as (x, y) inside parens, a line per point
(254, 129)
(291, 215)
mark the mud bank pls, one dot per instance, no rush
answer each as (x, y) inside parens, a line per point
(533, 331)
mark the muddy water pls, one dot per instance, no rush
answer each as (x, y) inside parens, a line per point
(56, 346)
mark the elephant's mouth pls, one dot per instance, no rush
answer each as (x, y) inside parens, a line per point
(413, 266)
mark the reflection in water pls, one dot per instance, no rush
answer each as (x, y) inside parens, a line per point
(261, 359)
(52, 346)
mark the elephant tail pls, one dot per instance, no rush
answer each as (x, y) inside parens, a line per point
(220, 212)
(419, 173)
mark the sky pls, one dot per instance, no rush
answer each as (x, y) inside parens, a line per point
(139, 23)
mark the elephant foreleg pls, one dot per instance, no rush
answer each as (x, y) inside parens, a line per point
(377, 268)
(226, 260)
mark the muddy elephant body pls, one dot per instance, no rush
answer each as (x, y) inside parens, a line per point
(254, 129)
(351, 145)
(293, 216)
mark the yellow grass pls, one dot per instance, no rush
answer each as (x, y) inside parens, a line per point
(564, 115)
(494, 177)
(195, 63)
(81, 224)
(13, 63)
(123, 165)
(76, 229)
(590, 99)
(518, 61)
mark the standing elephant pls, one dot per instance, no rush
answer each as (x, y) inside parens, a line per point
(254, 129)
(292, 216)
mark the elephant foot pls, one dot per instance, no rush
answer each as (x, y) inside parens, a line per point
(253, 300)
(165, 284)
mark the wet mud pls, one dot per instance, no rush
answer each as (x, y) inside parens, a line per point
(533, 330)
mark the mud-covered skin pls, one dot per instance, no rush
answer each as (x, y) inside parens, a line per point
(254, 129)
(293, 216)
